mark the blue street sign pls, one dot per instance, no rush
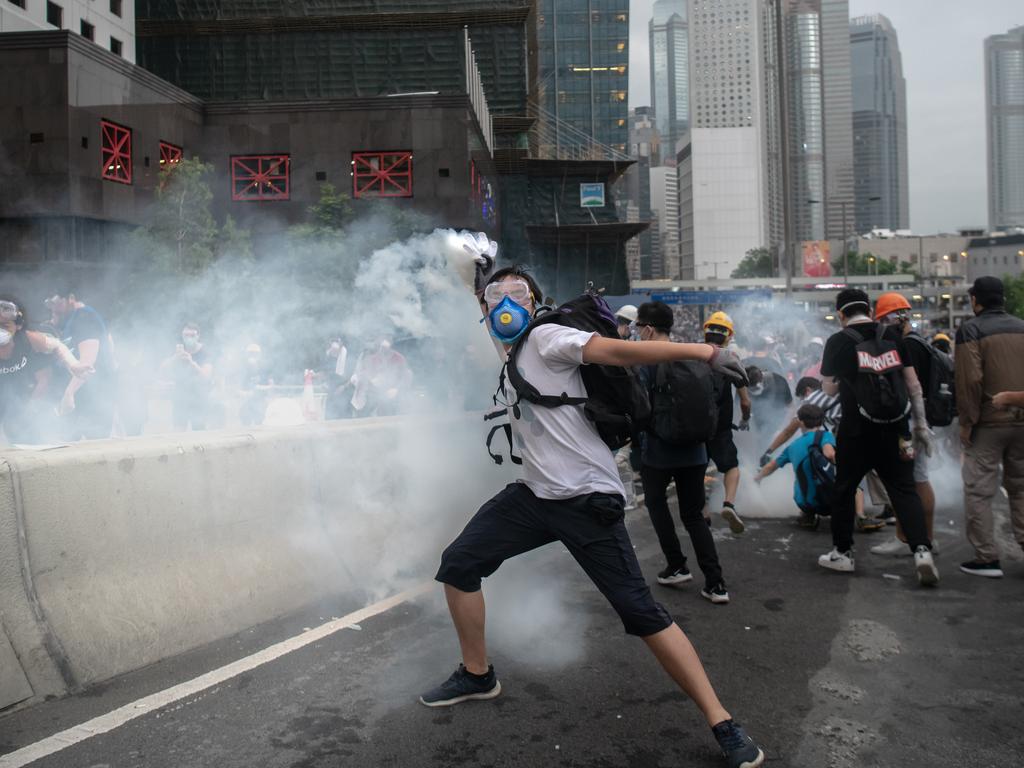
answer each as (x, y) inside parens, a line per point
(699, 298)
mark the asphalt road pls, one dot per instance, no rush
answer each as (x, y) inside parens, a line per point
(824, 669)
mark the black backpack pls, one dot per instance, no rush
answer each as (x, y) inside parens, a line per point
(817, 469)
(684, 410)
(616, 401)
(940, 399)
(881, 393)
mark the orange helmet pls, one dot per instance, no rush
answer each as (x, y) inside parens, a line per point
(890, 302)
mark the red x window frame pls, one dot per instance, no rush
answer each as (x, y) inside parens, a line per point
(259, 178)
(382, 174)
(115, 152)
(170, 154)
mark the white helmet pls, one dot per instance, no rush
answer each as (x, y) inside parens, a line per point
(628, 312)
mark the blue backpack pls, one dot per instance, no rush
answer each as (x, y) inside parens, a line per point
(817, 472)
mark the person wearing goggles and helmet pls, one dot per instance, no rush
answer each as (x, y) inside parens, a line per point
(624, 319)
(570, 492)
(24, 373)
(719, 330)
(893, 309)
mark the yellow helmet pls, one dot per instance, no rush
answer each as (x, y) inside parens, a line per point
(942, 337)
(721, 320)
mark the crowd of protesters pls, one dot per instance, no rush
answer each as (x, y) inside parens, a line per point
(63, 378)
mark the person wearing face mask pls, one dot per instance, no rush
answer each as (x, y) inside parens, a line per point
(23, 365)
(190, 370)
(624, 320)
(869, 366)
(718, 330)
(87, 408)
(570, 492)
(893, 310)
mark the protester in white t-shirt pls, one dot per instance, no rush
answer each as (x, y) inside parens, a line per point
(570, 492)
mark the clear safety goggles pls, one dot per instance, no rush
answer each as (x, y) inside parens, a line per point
(9, 310)
(517, 290)
(719, 329)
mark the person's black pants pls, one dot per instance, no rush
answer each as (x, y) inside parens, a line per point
(591, 527)
(690, 493)
(875, 448)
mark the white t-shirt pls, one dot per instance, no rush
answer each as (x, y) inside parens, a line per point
(563, 454)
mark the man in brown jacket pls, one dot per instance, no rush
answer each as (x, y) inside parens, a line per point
(989, 361)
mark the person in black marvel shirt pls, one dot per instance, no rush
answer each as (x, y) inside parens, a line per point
(87, 407)
(863, 444)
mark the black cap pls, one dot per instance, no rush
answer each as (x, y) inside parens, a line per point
(988, 291)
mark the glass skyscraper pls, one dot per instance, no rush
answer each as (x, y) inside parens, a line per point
(879, 126)
(1004, 81)
(670, 72)
(806, 118)
(583, 48)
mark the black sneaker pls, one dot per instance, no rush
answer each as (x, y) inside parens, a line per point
(738, 749)
(888, 515)
(462, 686)
(716, 594)
(671, 575)
(808, 520)
(990, 569)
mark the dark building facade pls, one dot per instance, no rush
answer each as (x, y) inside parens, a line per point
(416, 105)
(90, 132)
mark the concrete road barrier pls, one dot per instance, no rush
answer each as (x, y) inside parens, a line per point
(116, 554)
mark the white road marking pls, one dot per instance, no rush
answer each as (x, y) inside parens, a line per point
(117, 718)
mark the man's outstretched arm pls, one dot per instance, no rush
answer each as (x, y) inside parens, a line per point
(601, 350)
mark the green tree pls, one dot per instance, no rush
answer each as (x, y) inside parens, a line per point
(757, 263)
(1014, 294)
(182, 220)
(869, 264)
(328, 216)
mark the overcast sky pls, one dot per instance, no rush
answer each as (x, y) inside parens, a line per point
(942, 46)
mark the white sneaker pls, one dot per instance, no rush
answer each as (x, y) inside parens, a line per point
(837, 561)
(927, 573)
(894, 547)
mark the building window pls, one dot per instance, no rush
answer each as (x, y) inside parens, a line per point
(88, 30)
(170, 154)
(19, 3)
(115, 7)
(54, 15)
(116, 150)
(116, 46)
(381, 174)
(260, 177)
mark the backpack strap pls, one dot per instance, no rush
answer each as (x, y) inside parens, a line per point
(523, 388)
(851, 333)
(818, 437)
(508, 436)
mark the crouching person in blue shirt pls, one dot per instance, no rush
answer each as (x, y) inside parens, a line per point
(571, 493)
(813, 456)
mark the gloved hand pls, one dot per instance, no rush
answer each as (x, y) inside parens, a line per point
(484, 251)
(766, 459)
(744, 425)
(725, 362)
(924, 440)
